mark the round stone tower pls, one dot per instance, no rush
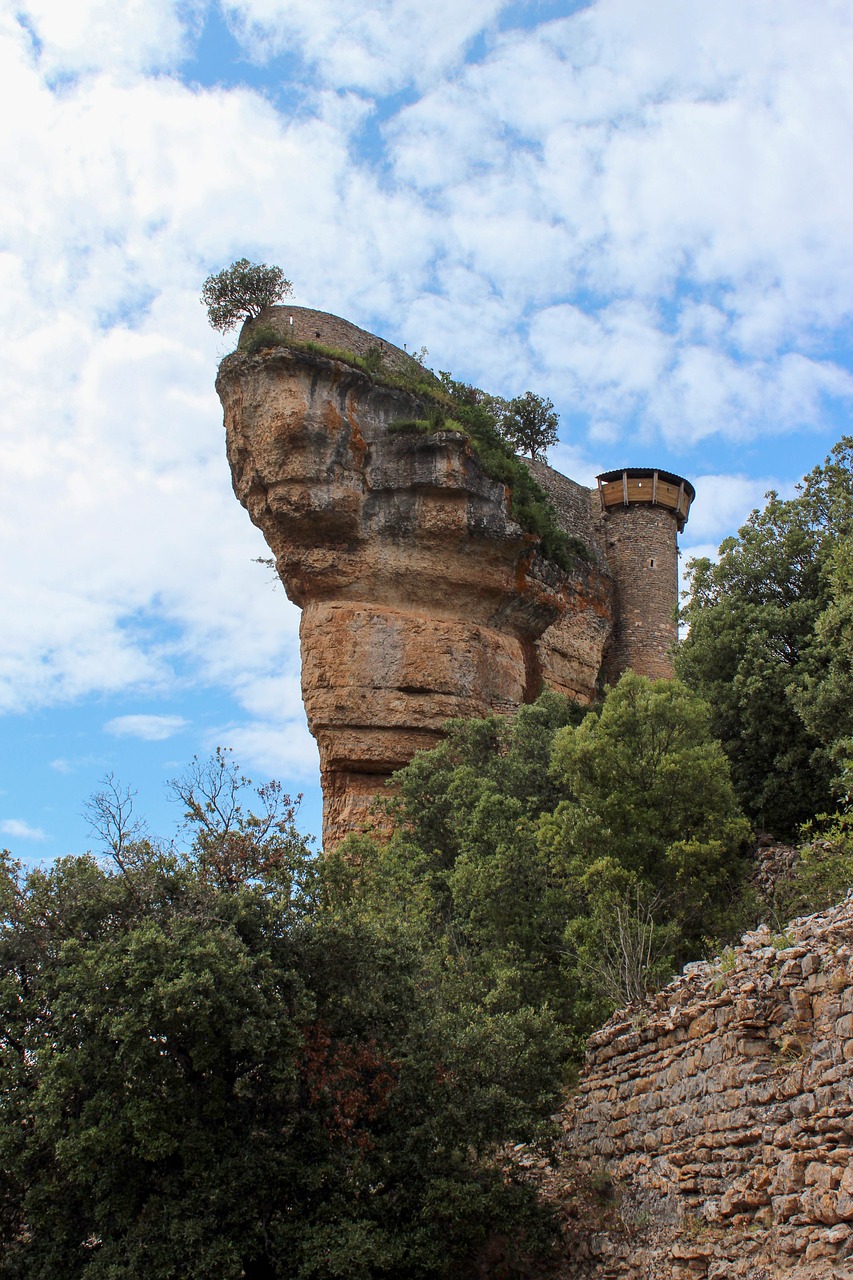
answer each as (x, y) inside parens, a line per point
(642, 511)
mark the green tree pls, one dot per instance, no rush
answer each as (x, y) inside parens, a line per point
(530, 424)
(649, 839)
(521, 844)
(241, 292)
(824, 694)
(207, 1070)
(762, 649)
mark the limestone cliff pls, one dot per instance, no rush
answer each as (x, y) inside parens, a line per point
(421, 597)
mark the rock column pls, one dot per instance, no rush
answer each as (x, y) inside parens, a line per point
(422, 599)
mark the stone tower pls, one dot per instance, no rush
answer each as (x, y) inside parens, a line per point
(641, 512)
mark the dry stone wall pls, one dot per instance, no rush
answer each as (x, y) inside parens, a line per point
(578, 508)
(720, 1115)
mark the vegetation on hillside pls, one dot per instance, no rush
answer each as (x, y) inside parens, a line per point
(237, 1060)
(578, 860)
(456, 406)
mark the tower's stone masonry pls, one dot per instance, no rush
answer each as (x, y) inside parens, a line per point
(421, 597)
(643, 559)
(641, 510)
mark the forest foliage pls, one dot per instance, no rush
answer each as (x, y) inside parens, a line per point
(208, 1070)
(577, 857)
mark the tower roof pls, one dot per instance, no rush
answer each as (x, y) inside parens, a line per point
(648, 485)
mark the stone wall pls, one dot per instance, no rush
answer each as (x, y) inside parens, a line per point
(578, 508)
(302, 324)
(720, 1118)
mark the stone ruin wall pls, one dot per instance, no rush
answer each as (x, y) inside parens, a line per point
(304, 325)
(573, 648)
(722, 1110)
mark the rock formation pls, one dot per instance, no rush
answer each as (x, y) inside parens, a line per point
(718, 1119)
(421, 597)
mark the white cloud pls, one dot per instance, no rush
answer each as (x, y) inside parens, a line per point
(278, 748)
(133, 554)
(136, 34)
(20, 830)
(573, 461)
(150, 728)
(722, 505)
(672, 153)
(374, 45)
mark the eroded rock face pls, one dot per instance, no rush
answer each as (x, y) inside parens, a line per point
(422, 598)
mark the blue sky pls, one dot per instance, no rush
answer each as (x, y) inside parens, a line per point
(641, 211)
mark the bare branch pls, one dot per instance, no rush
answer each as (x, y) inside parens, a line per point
(109, 817)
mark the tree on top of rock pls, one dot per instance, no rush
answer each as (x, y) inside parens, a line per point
(530, 424)
(242, 291)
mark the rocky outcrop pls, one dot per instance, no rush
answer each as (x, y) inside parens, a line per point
(421, 597)
(716, 1121)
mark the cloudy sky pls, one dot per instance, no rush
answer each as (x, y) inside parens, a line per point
(641, 210)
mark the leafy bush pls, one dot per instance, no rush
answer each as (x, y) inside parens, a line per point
(770, 643)
(260, 338)
(823, 872)
(575, 858)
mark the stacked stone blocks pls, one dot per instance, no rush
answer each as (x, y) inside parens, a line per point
(723, 1109)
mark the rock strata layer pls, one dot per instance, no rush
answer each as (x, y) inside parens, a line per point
(718, 1118)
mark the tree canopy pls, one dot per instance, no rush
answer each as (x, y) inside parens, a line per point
(242, 291)
(207, 1070)
(769, 647)
(530, 424)
(540, 851)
